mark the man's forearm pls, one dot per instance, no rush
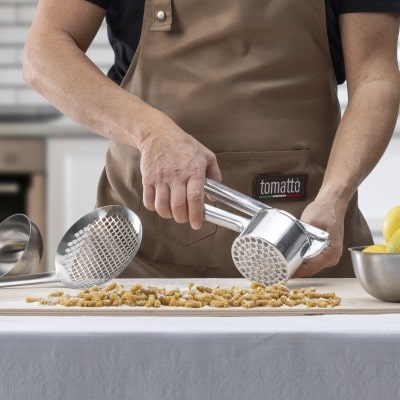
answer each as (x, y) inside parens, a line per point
(62, 73)
(362, 137)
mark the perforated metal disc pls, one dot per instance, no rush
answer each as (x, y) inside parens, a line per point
(258, 260)
(99, 251)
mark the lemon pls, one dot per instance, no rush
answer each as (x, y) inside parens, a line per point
(391, 223)
(394, 243)
(375, 248)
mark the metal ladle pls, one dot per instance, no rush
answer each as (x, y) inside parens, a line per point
(96, 249)
(21, 246)
(272, 243)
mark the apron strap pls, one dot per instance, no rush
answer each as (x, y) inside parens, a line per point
(162, 15)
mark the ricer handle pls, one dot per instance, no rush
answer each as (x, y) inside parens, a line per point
(34, 279)
(319, 240)
(224, 218)
(233, 198)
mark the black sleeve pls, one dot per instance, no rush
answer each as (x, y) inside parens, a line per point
(101, 3)
(350, 6)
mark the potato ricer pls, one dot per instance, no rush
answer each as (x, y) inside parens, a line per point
(272, 243)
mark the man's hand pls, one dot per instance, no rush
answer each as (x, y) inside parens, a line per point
(328, 216)
(173, 167)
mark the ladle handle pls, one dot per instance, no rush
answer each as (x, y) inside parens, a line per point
(34, 279)
(233, 198)
(224, 218)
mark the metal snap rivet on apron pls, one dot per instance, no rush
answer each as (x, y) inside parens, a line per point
(161, 16)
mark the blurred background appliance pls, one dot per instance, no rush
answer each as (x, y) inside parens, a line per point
(23, 180)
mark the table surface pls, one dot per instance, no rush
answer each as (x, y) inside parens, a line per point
(354, 300)
(348, 352)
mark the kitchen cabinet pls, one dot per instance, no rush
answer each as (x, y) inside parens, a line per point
(74, 166)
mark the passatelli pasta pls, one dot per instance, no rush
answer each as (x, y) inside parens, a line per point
(193, 296)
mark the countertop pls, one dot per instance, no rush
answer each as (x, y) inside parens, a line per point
(63, 126)
(54, 127)
(354, 300)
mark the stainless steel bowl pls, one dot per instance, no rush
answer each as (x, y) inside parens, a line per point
(378, 273)
(21, 246)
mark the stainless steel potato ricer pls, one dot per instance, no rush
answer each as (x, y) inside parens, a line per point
(272, 243)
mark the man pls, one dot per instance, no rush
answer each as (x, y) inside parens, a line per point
(243, 91)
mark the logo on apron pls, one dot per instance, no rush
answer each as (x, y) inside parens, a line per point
(269, 187)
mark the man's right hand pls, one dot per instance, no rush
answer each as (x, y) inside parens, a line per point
(173, 167)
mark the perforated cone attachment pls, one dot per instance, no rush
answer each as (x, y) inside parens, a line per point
(258, 260)
(100, 251)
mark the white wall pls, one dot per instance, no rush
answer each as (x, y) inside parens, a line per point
(15, 21)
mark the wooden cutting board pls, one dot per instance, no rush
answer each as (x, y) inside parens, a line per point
(354, 300)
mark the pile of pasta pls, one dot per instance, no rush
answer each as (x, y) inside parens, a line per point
(193, 296)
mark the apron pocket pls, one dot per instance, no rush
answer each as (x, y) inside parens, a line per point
(183, 233)
(239, 170)
(287, 180)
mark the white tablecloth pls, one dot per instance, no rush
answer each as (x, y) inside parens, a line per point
(325, 357)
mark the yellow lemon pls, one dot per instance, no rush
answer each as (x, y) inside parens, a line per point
(375, 248)
(391, 223)
(394, 243)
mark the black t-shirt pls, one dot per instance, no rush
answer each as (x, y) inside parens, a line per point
(124, 21)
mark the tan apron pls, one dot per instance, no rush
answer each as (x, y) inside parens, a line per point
(253, 81)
